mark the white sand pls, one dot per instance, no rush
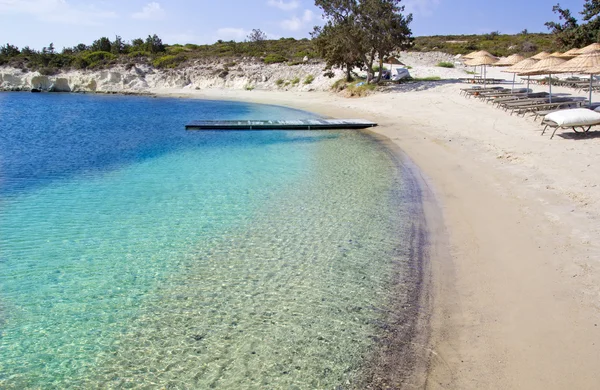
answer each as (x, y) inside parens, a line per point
(516, 264)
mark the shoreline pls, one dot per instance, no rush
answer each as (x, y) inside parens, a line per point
(514, 294)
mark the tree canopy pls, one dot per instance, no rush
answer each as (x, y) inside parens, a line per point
(357, 33)
(572, 34)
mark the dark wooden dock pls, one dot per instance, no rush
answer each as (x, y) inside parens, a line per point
(303, 124)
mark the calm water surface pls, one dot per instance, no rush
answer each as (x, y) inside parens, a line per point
(134, 254)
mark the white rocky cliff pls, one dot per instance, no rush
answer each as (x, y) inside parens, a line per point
(145, 79)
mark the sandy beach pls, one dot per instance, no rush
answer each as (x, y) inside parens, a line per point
(514, 258)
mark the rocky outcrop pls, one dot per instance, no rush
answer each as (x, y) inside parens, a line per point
(145, 79)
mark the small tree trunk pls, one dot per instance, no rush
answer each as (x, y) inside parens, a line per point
(380, 69)
(348, 74)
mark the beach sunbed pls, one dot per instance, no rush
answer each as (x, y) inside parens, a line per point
(579, 118)
(555, 104)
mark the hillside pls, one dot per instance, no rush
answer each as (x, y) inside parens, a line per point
(495, 43)
(104, 53)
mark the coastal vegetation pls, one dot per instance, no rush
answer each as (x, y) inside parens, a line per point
(445, 64)
(569, 33)
(358, 33)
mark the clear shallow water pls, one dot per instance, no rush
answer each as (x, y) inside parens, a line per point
(136, 254)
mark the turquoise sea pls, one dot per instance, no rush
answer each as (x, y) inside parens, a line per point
(134, 254)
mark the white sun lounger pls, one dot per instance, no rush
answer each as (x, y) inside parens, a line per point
(582, 118)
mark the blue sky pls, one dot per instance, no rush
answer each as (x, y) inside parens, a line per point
(68, 22)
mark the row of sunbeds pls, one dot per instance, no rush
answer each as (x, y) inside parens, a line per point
(556, 112)
(577, 83)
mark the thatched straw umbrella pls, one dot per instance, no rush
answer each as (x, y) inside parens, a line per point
(583, 64)
(469, 55)
(509, 61)
(589, 49)
(556, 54)
(541, 55)
(483, 60)
(545, 66)
(521, 67)
(477, 54)
(570, 54)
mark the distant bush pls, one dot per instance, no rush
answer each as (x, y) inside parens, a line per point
(168, 61)
(139, 53)
(274, 59)
(430, 78)
(339, 85)
(296, 81)
(48, 71)
(445, 64)
(309, 79)
(279, 82)
(360, 89)
(249, 87)
(175, 50)
(94, 59)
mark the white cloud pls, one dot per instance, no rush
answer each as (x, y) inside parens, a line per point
(296, 23)
(59, 11)
(151, 11)
(421, 7)
(285, 6)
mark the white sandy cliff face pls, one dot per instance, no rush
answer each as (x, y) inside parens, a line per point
(145, 79)
(246, 74)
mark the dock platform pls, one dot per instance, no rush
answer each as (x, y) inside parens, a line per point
(303, 124)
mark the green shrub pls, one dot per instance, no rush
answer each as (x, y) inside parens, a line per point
(339, 85)
(445, 64)
(168, 61)
(274, 59)
(249, 87)
(139, 53)
(309, 79)
(279, 82)
(175, 50)
(359, 89)
(94, 59)
(48, 71)
(296, 81)
(96, 56)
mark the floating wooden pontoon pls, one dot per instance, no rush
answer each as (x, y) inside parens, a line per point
(304, 124)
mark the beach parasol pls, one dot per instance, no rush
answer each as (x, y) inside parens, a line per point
(589, 49)
(570, 54)
(477, 54)
(509, 61)
(541, 55)
(482, 60)
(469, 55)
(545, 66)
(556, 54)
(521, 67)
(583, 64)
